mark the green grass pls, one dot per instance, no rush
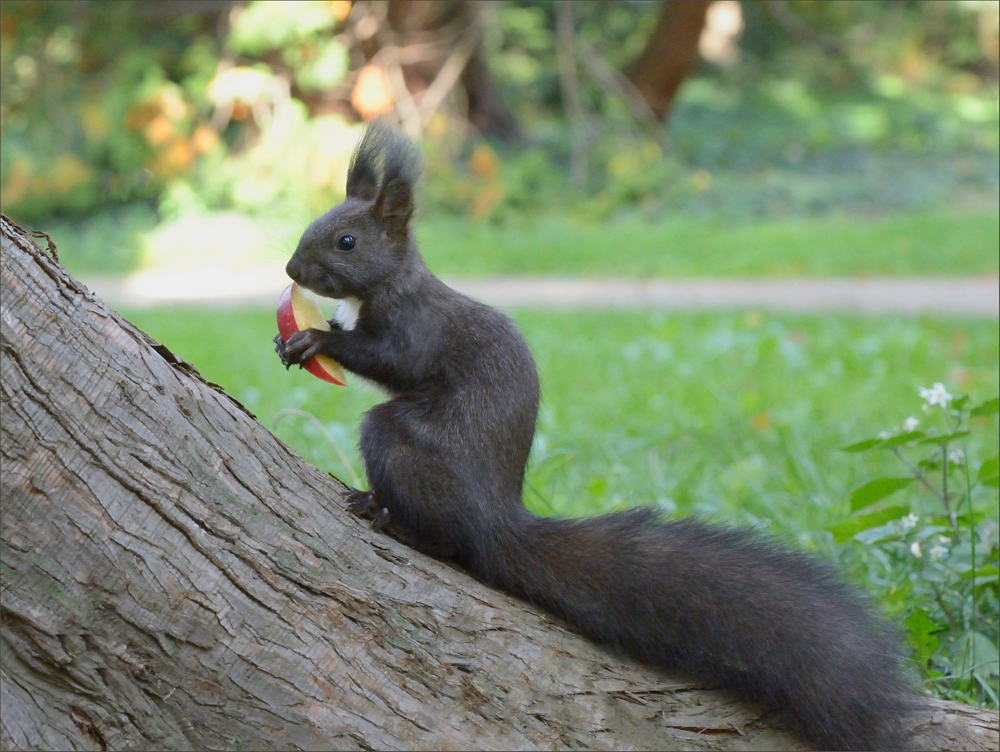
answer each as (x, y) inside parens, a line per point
(933, 243)
(731, 416)
(735, 417)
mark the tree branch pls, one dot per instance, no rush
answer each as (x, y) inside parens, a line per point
(799, 30)
(569, 84)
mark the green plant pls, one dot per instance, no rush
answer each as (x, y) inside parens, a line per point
(937, 552)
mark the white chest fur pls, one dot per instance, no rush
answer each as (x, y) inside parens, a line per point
(347, 316)
(347, 313)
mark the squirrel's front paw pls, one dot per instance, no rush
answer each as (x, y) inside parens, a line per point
(302, 346)
(279, 347)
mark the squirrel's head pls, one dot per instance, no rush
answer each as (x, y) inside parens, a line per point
(362, 241)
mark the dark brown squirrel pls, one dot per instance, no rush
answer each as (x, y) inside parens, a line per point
(445, 458)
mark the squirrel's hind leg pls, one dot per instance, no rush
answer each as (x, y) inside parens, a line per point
(412, 481)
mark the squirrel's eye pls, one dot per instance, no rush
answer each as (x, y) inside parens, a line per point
(346, 243)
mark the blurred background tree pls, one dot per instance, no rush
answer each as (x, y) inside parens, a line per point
(120, 115)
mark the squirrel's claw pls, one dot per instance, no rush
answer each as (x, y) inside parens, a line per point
(303, 346)
(381, 520)
(279, 347)
(365, 505)
(362, 504)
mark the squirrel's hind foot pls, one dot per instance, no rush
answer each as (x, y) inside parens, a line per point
(364, 504)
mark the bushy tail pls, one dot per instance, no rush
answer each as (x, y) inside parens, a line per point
(777, 627)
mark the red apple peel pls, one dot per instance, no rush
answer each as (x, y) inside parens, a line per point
(297, 311)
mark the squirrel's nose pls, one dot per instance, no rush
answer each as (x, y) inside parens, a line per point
(293, 268)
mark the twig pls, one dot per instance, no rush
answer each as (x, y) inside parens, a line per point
(340, 452)
(450, 72)
(800, 30)
(944, 486)
(410, 53)
(406, 108)
(972, 546)
(613, 80)
(565, 38)
(952, 621)
(918, 474)
(969, 670)
(367, 18)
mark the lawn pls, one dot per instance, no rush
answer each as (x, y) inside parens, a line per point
(937, 242)
(930, 243)
(734, 416)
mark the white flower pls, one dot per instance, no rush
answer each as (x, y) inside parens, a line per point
(885, 434)
(937, 552)
(910, 424)
(909, 522)
(915, 549)
(956, 457)
(936, 395)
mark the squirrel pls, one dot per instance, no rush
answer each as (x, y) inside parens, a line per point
(446, 455)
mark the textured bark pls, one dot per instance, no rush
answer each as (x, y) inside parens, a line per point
(670, 54)
(175, 577)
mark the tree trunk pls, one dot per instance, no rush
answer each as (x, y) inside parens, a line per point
(670, 54)
(487, 110)
(175, 577)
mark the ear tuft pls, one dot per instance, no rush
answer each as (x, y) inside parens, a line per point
(365, 171)
(385, 168)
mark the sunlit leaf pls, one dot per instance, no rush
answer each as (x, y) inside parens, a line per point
(326, 70)
(877, 534)
(976, 653)
(989, 407)
(945, 438)
(982, 575)
(862, 446)
(877, 490)
(920, 629)
(903, 438)
(989, 472)
(264, 26)
(850, 527)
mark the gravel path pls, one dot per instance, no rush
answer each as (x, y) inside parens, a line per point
(964, 296)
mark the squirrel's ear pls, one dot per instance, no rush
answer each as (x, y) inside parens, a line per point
(394, 204)
(362, 181)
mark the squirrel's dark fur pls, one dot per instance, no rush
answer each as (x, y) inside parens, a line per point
(446, 457)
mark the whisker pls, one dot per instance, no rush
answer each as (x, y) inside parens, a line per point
(277, 232)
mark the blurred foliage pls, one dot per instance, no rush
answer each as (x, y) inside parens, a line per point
(107, 103)
(245, 107)
(903, 113)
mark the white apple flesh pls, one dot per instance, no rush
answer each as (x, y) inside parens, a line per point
(297, 311)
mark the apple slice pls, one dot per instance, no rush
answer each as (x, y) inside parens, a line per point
(297, 311)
